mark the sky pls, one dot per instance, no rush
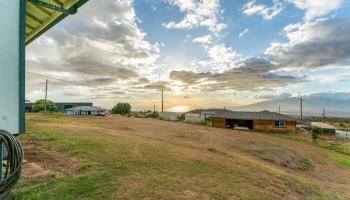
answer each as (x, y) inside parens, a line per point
(202, 53)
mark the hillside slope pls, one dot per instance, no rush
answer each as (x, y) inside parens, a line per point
(128, 158)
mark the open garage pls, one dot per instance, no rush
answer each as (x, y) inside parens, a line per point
(265, 121)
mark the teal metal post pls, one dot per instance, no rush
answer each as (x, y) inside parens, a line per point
(1, 158)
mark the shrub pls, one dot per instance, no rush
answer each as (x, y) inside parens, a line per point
(39, 106)
(121, 109)
(315, 133)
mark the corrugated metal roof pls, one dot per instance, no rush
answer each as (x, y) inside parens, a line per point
(86, 108)
(40, 19)
(264, 115)
(211, 110)
(322, 125)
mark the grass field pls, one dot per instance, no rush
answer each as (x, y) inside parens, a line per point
(127, 158)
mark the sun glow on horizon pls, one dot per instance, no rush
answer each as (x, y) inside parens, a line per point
(180, 108)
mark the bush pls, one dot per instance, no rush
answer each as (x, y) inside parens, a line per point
(39, 106)
(316, 132)
(121, 109)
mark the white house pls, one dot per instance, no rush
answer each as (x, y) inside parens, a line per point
(86, 110)
(195, 118)
(171, 116)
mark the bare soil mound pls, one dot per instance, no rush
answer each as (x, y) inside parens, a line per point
(278, 155)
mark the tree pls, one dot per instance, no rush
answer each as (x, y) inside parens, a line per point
(122, 109)
(39, 106)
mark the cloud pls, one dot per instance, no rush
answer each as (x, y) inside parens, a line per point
(207, 39)
(316, 8)
(283, 95)
(334, 78)
(253, 74)
(245, 31)
(314, 44)
(266, 12)
(101, 46)
(222, 57)
(204, 13)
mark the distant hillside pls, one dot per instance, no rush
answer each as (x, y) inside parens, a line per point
(336, 104)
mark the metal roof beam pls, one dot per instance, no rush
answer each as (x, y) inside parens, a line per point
(70, 11)
(34, 18)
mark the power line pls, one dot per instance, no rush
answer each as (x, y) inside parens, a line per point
(50, 77)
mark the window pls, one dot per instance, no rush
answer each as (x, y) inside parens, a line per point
(280, 123)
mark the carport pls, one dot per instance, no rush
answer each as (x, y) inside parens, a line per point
(235, 123)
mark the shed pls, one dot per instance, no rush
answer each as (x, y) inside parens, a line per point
(171, 116)
(326, 128)
(264, 120)
(195, 118)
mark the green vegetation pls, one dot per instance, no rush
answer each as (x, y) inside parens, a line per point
(132, 167)
(315, 133)
(39, 106)
(121, 109)
(341, 148)
(345, 162)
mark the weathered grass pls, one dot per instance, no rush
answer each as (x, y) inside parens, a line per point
(131, 167)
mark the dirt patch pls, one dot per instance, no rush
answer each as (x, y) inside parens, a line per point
(278, 155)
(36, 173)
(46, 163)
(215, 151)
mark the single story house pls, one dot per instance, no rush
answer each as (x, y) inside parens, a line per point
(86, 110)
(61, 106)
(195, 118)
(170, 116)
(326, 128)
(264, 120)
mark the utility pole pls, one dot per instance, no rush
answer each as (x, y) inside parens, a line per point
(154, 108)
(46, 94)
(162, 100)
(279, 109)
(324, 115)
(301, 108)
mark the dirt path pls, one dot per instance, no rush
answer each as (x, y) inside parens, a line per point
(324, 171)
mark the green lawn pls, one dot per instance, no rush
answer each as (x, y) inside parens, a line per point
(131, 167)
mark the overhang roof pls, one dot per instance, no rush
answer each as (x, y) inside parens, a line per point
(39, 19)
(263, 115)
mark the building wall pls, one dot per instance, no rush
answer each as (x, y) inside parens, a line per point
(269, 125)
(80, 112)
(219, 122)
(263, 125)
(168, 116)
(194, 118)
